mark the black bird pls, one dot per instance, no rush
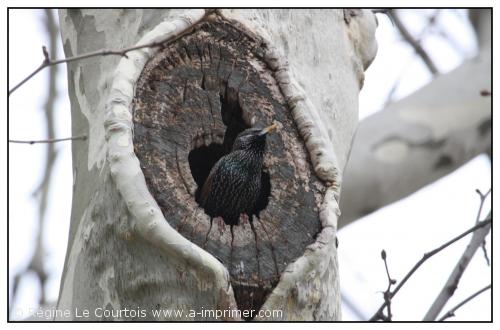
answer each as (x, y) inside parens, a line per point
(233, 185)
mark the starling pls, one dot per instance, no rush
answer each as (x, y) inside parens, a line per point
(233, 185)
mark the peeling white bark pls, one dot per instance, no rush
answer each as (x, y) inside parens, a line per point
(423, 137)
(322, 95)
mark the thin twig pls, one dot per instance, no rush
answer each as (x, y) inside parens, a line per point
(387, 293)
(430, 23)
(121, 52)
(452, 311)
(81, 137)
(414, 43)
(15, 286)
(482, 198)
(31, 75)
(379, 314)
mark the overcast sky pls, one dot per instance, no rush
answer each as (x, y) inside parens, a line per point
(405, 230)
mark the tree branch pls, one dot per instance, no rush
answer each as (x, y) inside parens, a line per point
(413, 42)
(452, 283)
(379, 314)
(105, 52)
(452, 311)
(482, 199)
(43, 189)
(80, 137)
(430, 23)
(37, 262)
(387, 293)
(419, 143)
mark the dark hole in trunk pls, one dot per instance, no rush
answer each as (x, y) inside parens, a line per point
(202, 159)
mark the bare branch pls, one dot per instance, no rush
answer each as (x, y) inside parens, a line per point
(31, 75)
(387, 293)
(452, 283)
(105, 52)
(452, 311)
(37, 262)
(379, 314)
(481, 22)
(431, 21)
(421, 164)
(42, 191)
(481, 204)
(15, 287)
(80, 137)
(414, 43)
(482, 198)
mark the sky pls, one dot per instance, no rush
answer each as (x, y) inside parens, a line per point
(405, 229)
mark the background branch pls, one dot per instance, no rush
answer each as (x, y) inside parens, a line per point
(482, 198)
(451, 285)
(37, 262)
(47, 62)
(81, 137)
(452, 311)
(413, 150)
(413, 42)
(431, 21)
(379, 314)
(387, 293)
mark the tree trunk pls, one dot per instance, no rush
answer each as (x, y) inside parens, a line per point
(159, 118)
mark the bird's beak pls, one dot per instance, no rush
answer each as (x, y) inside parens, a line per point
(268, 129)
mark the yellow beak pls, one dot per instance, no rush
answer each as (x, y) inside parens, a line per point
(268, 129)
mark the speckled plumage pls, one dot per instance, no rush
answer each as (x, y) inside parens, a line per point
(233, 185)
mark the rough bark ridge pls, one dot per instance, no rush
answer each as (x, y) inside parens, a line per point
(192, 99)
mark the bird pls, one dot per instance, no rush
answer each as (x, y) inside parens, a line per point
(233, 185)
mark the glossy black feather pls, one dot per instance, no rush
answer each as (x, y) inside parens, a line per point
(234, 183)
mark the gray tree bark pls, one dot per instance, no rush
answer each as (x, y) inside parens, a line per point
(123, 254)
(424, 136)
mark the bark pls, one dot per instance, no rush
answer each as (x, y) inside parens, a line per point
(425, 136)
(137, 235)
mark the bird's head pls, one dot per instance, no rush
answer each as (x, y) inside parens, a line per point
(253, 138)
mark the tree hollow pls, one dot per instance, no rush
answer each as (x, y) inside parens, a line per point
(191, 101)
